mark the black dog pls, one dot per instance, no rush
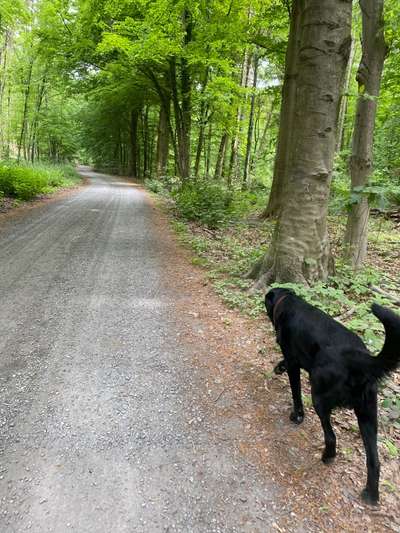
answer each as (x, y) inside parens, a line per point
(342, 371)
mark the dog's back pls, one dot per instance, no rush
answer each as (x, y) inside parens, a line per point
(308, 334)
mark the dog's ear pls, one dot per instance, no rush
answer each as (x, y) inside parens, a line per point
(270, 300)
(273, 296)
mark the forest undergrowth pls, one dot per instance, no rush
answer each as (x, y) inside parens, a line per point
(25, 181)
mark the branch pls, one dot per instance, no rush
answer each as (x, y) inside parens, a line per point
(387, 295)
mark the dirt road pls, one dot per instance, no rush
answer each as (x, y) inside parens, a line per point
(102, 424)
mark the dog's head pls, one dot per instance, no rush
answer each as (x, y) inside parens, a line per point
(274, 297)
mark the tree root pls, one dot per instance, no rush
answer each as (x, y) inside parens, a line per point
(254, 272)
(264, 280)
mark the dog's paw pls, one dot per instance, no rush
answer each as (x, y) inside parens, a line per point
(280, 368)
(328, 457)
(368, 498)
(296, 418)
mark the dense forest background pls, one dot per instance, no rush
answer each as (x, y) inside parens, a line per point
(219, 104)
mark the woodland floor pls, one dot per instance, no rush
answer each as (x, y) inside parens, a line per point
(243, 354)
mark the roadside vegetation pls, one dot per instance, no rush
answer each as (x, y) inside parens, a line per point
(23, 182)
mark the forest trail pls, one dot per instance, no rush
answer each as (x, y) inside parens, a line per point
(103, 421)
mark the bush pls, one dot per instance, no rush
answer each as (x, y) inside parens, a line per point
(208, 203)
(394, 196)
(154, 185)
(24, 181)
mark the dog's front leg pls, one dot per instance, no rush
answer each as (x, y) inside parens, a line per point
(297, 415)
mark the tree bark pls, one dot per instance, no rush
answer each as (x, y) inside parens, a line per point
(162, 143)
(262, 141)
(145, 140)
(134, 171)
(250, 128)
(344, 99)
(21, 141)
(300, 249)
(219, 166)
(369, 75)
(39, 101)
(202, 126)
(182, 106)
(233, 161)
(207, 153)
(3, 78)
(287, 114)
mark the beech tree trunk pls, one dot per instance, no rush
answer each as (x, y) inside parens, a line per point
(202, 125)
(262, 141)
(39, 101)
(145, 140)
(287, 114)
(207, 153)
(162, 143)
(182, 106)
(3, 77)
(369, 77)
(250, 129)
(300, 250)
(233, 161)
(344, 99)
(219, 166)
(134, 143)
(24, 125)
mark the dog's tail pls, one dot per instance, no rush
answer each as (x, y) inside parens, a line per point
(389, 357)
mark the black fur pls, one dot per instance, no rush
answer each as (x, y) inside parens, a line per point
(342, 371)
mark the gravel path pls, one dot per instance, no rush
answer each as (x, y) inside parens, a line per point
(102, 423)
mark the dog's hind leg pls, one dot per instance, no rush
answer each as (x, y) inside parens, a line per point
(367, 421)
(330, 438)
(297, 415)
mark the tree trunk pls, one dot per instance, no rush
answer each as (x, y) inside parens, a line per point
(145, 140)
(300, 250)
(219, 166)
(3, 78)
(134, 143)
(250, 129)
(233, 161)
(182, 118)
(162, 143)
(202, 126)
(344, 99)
(207, 153)
(369, 77)
(287, 114)
(21, 142)
(182, 108)
(39, 101)
(261, 143)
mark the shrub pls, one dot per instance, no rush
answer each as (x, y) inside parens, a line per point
(154, 185)
(209, 203)
(393, 195)
(27, 181)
